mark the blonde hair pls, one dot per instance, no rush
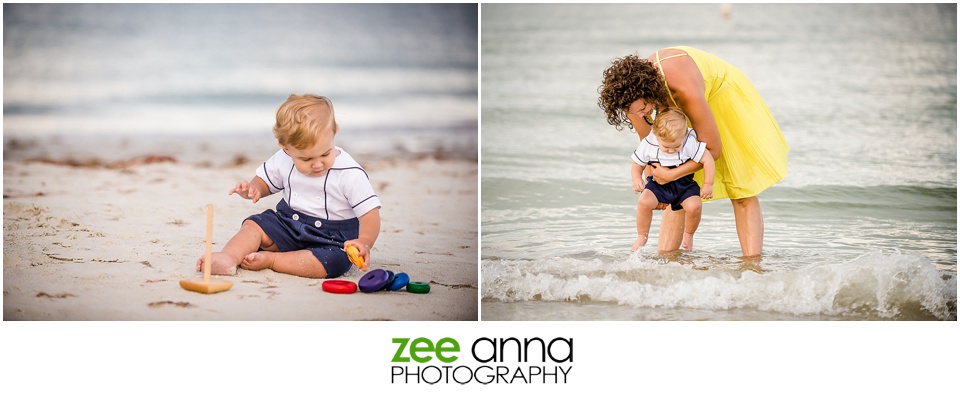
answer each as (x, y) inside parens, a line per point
(670, 124)
(301, 119)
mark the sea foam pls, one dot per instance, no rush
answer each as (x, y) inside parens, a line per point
(876, 285)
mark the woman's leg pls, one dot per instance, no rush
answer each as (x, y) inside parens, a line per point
(749, 220)
(671, 230)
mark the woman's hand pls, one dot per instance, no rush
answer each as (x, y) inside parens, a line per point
(663, 175)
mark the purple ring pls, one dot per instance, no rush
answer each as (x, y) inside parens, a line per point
(373, 281)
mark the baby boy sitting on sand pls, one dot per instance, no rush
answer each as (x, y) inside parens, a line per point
(328, 202)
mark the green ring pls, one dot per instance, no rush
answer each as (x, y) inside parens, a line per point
(418, 287)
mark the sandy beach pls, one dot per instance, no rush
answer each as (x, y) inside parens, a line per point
(90, 236)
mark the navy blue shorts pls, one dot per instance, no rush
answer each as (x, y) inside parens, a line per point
(674, 192)
(293, 231)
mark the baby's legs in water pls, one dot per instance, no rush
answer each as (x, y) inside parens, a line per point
(645, 206)
(692, 207)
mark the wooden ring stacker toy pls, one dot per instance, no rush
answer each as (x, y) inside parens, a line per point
(373, 281)
(390, 277)
(205, 284)
(338, 286)
(418, 287)
(354, 256)
(399, 281)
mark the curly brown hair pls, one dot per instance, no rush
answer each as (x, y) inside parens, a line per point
(626, 80)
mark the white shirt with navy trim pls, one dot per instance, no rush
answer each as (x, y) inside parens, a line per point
(649, 151)
(342, 192)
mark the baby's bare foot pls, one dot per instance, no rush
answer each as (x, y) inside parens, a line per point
(220, 264)
(257, 261)
(641, 241)
(687, 243)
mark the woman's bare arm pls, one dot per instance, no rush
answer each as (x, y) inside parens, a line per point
(687, 86)
(663, 175)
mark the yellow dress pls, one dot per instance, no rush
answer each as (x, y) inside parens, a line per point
(754, 155)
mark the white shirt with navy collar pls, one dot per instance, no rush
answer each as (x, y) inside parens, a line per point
(342, 192)
(649, 151)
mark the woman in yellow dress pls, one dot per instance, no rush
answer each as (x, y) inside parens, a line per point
(726, 112)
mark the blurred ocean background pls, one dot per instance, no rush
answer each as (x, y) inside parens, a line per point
(864, 227)
(138, 78)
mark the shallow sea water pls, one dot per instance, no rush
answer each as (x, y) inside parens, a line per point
(403, 77)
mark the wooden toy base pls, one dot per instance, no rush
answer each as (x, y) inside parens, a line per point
(198, 285)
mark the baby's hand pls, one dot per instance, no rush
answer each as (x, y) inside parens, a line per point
(362, 250)
(246, 191)
(638, 185)
(706, 191)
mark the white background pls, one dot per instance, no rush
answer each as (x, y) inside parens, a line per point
(279, 362)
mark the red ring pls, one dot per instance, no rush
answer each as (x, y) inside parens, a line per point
(344, 287)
